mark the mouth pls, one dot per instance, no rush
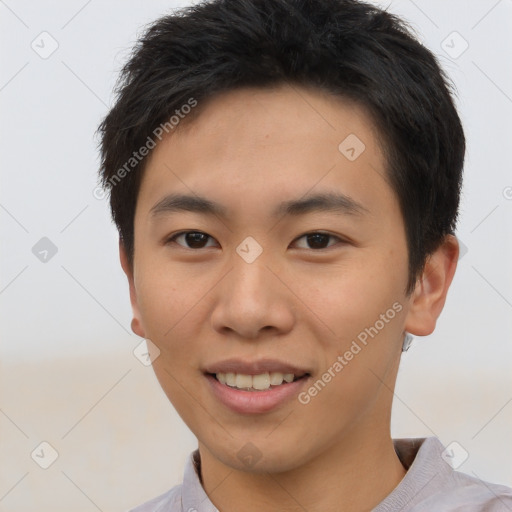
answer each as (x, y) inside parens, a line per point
(256, 387)
(260, 382)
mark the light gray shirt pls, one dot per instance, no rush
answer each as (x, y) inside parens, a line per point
(430, 485)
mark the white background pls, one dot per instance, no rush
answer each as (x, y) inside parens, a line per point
(68, 373)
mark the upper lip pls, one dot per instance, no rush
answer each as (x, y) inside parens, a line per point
(254, 367)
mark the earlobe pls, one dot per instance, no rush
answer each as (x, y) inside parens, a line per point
(429, 295)
(136, 323)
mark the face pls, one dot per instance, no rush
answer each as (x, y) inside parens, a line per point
(287, 256)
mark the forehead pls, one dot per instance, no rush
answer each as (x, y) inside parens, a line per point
(277, 114)
(268, 144)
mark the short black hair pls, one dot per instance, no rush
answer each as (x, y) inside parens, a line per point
(348, 48)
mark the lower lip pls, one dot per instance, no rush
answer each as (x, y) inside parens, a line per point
(255, 402)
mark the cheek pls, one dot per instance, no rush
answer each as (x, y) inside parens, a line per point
(161, 297)
(358, 367)
(365, 307)
(174, 305)
(353, 297)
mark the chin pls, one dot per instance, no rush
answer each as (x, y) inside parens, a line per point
(259, 456)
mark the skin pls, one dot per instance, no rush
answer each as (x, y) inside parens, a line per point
(249, 150)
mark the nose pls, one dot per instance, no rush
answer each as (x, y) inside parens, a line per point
(251, 300)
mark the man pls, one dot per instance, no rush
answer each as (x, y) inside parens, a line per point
(285, 178)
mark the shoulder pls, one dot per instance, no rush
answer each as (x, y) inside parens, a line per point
(432, 484)
(170, 501)
(462, 492)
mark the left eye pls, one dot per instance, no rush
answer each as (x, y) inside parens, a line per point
(317, 240)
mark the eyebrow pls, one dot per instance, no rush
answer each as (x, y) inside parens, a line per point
(323, 202)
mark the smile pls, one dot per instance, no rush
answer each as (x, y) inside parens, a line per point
(248, 396)
(261, 382)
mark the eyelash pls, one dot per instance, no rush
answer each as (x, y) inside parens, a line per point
(173, 238)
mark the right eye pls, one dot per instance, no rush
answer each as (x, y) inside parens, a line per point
(190, 239)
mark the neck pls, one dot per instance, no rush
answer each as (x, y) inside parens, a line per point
(351, 475)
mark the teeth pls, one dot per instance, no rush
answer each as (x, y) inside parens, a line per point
(259, 382)
(243, 381)
(276, 378)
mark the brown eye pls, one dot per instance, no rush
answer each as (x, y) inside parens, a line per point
(318, 241)
(191, 239)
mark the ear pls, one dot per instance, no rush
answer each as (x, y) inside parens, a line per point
(128, 270)
(429, 295)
